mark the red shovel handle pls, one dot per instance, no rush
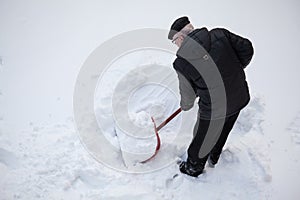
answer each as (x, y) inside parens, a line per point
(156, 129)
(157, 143)
(169, 119)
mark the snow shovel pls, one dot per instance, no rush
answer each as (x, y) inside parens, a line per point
(156, 129)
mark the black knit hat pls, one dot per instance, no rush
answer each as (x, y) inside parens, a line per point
(177, 26)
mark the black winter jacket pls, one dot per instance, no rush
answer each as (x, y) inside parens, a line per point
(201, 52)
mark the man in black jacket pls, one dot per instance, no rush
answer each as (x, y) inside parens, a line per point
(210, 65)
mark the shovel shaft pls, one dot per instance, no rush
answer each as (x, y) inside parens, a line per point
(156, 129)
(169, 119)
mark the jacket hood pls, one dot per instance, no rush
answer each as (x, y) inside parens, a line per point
(195, 45)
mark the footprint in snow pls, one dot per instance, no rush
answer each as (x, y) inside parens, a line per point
(228, 156)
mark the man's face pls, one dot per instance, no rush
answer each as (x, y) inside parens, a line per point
(177, 39)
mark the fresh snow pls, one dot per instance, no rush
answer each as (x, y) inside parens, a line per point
(43, 45)
(50, 162)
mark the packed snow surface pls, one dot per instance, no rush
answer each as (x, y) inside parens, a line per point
(43, 45)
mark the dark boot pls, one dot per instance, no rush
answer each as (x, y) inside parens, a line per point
(211, 164)
(213, 160)
(191, 168)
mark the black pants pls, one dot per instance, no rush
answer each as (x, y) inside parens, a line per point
(200, 132)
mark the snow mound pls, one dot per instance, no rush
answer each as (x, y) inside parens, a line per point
(124, 106)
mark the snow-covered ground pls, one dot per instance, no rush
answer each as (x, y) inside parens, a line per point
(43, 45)
(49, 162)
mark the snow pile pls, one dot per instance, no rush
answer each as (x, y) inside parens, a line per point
(142, 115)
(128, 96)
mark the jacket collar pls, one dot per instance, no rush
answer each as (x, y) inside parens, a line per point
(190, 49)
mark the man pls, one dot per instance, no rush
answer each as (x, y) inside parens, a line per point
(210, 65)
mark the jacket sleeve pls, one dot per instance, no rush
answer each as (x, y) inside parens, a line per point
(242, 46)
(187, 93)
